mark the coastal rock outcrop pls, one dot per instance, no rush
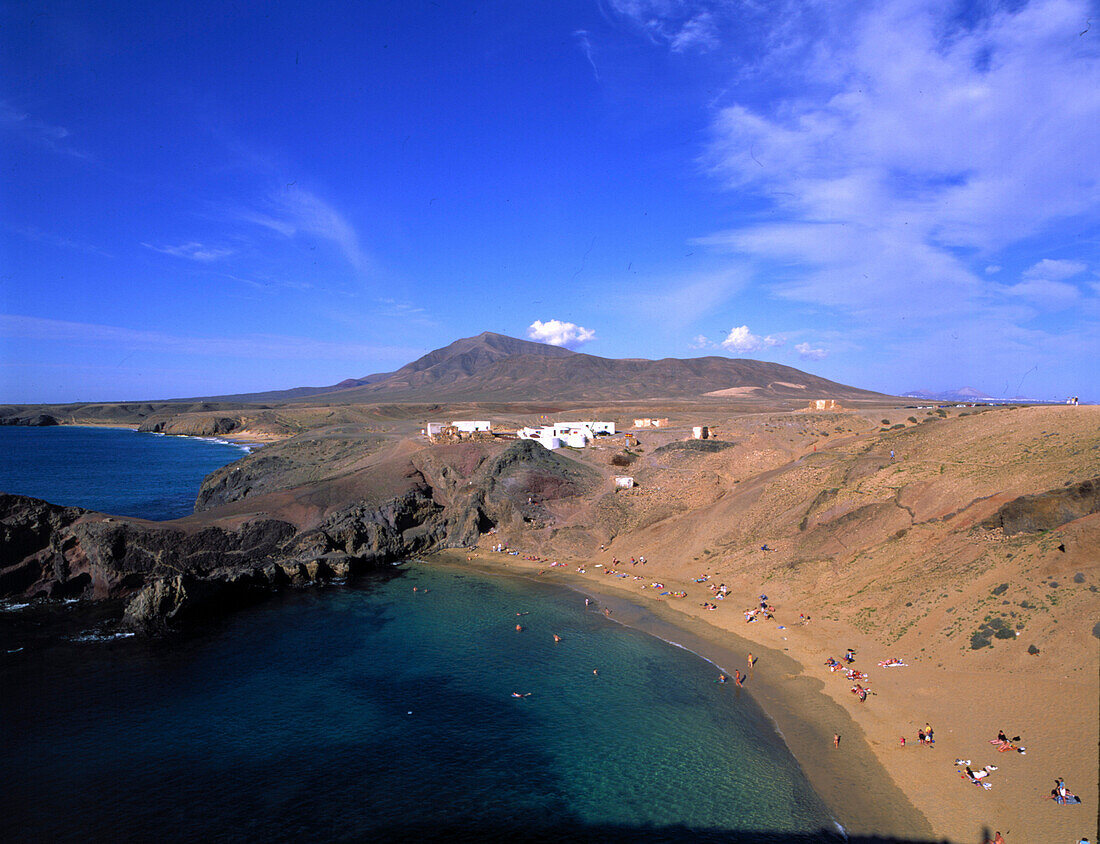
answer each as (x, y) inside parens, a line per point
(431, 499)
(191, 425)
(30, 419)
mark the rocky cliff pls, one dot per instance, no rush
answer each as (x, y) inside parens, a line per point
(441, 497)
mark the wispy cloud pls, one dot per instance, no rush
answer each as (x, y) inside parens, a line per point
(193, 251)
(257, 346)
(586, 47)
(38, 235)
(405, 313)
(680, 300)
(291, 211)
(268, 284)
(558, 333)
(682, 26)
(38, 132)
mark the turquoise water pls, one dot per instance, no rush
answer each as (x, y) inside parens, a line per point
(355, 712)
(111, 470)
(364, 711)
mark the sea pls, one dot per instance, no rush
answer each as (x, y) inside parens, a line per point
(420, 703)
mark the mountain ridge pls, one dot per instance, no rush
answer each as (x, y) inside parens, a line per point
(496, 367)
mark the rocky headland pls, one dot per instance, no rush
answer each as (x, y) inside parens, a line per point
(297, 512)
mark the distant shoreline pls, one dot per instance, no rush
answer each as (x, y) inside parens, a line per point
(232, 439)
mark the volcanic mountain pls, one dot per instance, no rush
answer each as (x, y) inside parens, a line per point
(494, 367)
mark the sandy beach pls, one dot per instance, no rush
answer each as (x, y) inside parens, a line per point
(872, 783)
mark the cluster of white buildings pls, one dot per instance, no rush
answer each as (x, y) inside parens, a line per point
(572, 434)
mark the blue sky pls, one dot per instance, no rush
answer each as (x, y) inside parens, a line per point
(205, 198)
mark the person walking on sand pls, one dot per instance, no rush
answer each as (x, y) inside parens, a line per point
(751, 661)
(836, 739)
(738, 678)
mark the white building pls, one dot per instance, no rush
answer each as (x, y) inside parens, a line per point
(572, 434)
(624, 483)
(470, 427)
(434, 429)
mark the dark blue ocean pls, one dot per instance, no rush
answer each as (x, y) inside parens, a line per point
(110, 469)
(383, 710)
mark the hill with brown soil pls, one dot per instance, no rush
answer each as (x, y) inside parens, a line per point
(494, 367)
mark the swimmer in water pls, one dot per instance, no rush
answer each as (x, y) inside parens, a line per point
(517, 694)
(519, 628)
(595, 672)
(721, 678)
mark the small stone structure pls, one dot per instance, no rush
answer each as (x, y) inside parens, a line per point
(700, 432)
(624, 483)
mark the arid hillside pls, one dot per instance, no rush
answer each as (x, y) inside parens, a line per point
(885, 520)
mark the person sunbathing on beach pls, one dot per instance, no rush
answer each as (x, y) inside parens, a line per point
(1005, 744)
(976, 777)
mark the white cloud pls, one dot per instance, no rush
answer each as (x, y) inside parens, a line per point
(557, 333)
(807, 352)
(740, 339)
(992, 269)
(913, 143)
(1055, 270)
(700, 341)
(1045, 293)
(192, 250)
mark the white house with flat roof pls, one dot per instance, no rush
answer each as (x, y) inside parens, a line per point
(471, 427)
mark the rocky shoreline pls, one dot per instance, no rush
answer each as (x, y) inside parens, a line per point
(214, 561)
